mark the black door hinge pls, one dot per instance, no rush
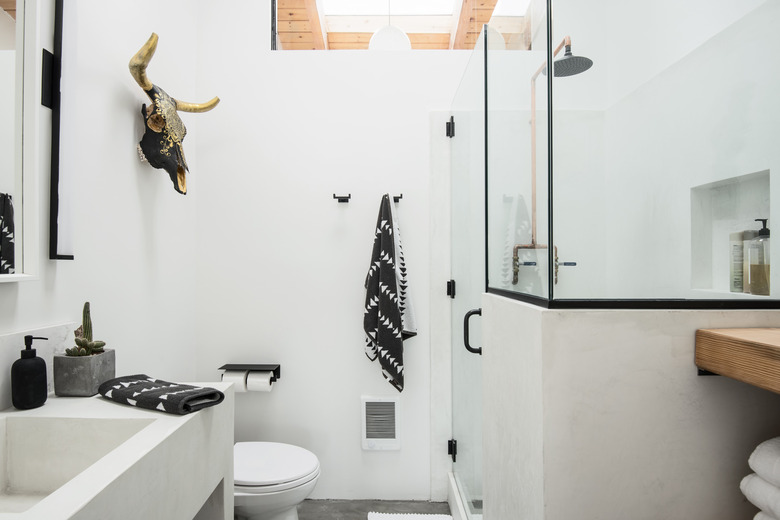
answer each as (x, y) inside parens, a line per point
(50, 79)
(452, 448)
(451, 288)
(451, 127)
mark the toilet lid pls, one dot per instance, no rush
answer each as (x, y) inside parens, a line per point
(269, 463)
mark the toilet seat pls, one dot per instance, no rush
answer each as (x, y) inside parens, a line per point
(268, 467)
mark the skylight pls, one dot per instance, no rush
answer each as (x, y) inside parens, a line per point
(380, 7)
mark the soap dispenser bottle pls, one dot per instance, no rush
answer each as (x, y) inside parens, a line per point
(28, 378)
(758, 253)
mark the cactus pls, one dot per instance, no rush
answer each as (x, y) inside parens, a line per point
(85, 345)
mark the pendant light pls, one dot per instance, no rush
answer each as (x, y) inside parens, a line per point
(389, 37)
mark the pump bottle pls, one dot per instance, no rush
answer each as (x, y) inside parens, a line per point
(758, 257)
(28, 378)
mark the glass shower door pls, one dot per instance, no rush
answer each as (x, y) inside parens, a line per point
(468, 272)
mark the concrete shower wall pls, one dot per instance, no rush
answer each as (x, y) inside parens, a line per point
(601, 415)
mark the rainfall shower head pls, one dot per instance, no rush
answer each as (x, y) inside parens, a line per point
(570, 65)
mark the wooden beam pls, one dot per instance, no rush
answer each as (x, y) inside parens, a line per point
(9, 6)
(286, 27)
(349, 37)
(293, 37)
(360, 40)
(292, 15)
(298, 46)
(473, 15)
(316, 26)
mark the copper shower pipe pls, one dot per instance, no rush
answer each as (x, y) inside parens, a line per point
(533, 245)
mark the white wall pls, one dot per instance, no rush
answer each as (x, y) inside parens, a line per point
(258, 262)
(601, 415)
(282, 264)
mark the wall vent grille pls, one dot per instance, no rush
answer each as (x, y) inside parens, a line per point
(381, 423)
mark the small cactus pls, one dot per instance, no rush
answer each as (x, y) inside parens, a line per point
(85, 346)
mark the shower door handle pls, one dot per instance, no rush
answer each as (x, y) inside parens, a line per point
(469, 314)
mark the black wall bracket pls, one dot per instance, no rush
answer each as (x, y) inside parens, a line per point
(451, 288)
(452, 449)
(276, 369)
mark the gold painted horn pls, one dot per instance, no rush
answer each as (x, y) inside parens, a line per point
(196, 107)
(140, 61)
(138, 65)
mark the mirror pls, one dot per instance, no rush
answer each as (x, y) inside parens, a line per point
(19, 140)
(11, 52)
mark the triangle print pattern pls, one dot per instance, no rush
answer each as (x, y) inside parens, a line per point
(6, 234)
(387, 319)
(155, 394)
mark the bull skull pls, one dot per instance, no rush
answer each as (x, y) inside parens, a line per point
(164, 132)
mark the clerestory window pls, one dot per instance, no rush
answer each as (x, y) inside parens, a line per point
(399, 24)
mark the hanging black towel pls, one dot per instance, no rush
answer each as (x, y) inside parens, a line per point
(6, 234)
(155, 394)
(388, 319)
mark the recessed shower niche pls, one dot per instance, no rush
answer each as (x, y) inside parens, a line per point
(718, 210)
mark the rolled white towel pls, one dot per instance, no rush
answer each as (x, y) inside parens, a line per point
(765, 461)
(761, 494)
(763, 516)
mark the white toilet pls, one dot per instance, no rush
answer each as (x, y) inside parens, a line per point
(271, 479)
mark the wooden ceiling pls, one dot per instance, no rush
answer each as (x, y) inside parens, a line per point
(300, 27)
(9, 6)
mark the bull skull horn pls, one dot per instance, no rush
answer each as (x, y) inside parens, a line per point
(138, 65)
(141, 60)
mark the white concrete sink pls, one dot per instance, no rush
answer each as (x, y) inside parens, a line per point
(88, 458)
(38, 455)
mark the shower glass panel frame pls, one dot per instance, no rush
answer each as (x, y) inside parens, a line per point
(621, 185)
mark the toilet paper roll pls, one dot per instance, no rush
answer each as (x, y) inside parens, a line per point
(259, 381)
(237, 377)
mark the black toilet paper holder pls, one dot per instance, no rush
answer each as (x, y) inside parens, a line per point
(276, 369)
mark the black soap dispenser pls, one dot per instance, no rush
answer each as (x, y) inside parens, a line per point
(28, 378)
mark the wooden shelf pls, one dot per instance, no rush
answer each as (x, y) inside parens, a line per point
(748, 355)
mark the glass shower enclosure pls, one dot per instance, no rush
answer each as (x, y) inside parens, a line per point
(636, 175)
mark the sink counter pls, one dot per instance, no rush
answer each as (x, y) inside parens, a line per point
(89, 458)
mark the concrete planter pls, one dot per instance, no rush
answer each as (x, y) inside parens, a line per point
(80, 376)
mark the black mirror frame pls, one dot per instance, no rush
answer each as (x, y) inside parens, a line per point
(50, 97)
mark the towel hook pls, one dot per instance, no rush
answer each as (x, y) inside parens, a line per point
(342, 198)
(397, 198)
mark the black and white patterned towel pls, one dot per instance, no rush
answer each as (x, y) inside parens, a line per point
(155, 394)
(6, 234)
(388, 318)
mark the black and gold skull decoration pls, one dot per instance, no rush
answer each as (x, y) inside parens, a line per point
(164, 130)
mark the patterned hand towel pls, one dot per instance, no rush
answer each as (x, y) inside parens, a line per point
(155, 394)
(388, 319)
(6, 234)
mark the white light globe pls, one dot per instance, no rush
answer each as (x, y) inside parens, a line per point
(389, 38)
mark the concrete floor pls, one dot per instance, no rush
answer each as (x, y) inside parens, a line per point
(359, 509)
